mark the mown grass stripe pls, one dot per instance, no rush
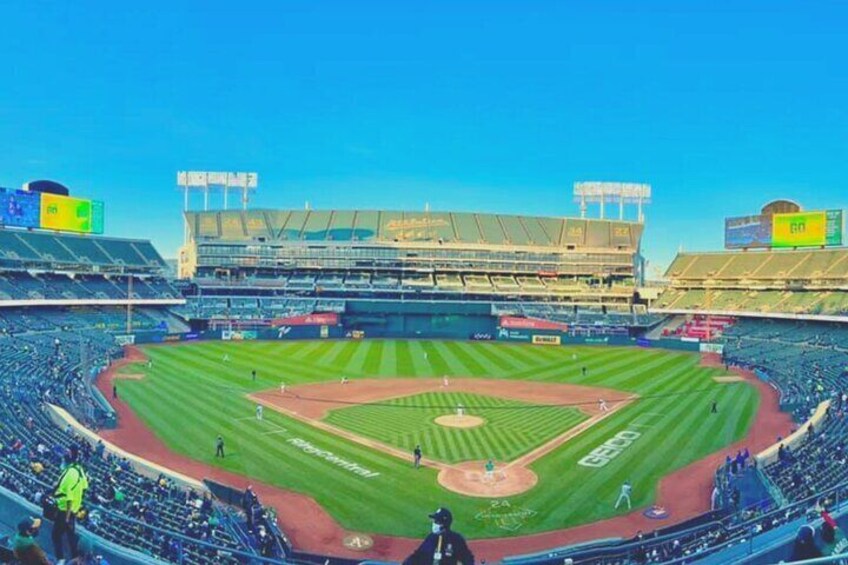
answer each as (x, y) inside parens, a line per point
(185, 396)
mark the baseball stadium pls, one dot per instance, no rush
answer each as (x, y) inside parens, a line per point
(309, 385)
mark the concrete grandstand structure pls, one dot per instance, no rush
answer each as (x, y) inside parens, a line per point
(251, 264)
(38, 268)
(804, 283)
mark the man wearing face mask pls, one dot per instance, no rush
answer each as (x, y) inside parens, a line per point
(442, 546)
(25, 545)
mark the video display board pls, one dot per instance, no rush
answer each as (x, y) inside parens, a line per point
(71, 214)
(802, 229)
(19, 208)
(807, 229)
(797, 229)
(746, 232)
(834, 228)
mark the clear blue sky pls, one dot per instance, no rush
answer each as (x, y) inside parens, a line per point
(485, 105)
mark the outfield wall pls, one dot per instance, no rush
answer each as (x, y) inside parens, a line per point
(416, 326)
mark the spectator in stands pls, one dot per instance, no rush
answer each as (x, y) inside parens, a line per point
(715, 497)
(69, 494)
(805, 545)
(99, 449)
(442, 545)
(25, 546)
(265, 542)
(833, 538)
(251, 507)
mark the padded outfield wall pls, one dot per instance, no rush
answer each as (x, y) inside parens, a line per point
(419, 319)
(365, 319)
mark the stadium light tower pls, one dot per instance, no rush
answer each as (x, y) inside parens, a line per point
(210, 181)
(621, 193)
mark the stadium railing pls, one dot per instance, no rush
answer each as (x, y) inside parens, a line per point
(842, 558)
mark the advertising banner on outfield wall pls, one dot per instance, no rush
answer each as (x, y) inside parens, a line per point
(123, 340)
(301, 332)
(712, 348)
(546, 340)
(514, 322)
(481, 336)
(238, 335)
(323, 319)
(512, 335)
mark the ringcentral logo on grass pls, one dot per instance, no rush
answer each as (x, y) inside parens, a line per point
(610, 449)
(355, 468)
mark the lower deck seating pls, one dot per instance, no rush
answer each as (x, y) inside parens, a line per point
(40, 362)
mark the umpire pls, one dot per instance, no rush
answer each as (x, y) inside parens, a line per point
(442, 546)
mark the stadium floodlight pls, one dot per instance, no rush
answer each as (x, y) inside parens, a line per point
(210, 180)
(620, 192)
(206, 181)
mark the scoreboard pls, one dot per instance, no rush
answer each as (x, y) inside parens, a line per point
(71, 214)
(807, 229)
(41, 210)
(798, 229)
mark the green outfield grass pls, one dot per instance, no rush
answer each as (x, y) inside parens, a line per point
(512, 428)
(190, 395)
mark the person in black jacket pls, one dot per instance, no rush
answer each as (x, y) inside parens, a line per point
(805, 545)
(442, 546)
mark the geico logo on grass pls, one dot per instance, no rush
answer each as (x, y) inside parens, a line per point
(610, 449)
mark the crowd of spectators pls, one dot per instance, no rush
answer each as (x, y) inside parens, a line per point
(807, 362)
(22, 285)
(42, 362)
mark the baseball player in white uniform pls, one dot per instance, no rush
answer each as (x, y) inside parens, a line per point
(624, 495)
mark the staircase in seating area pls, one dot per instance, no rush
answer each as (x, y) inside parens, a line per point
(668, 327)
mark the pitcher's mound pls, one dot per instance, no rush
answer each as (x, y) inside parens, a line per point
(471, 479)
(454, 421)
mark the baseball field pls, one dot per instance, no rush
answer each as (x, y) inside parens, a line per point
(349, 447)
